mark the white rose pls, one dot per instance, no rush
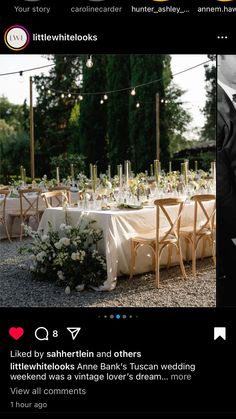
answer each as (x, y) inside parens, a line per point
(40, 256)
(67, 290)
(74, 256)
(94, 254)
(82, 255)
(44, 238)
(58, 245)
(60, 275)
(68, 228)
(62, 227)
(65, 241)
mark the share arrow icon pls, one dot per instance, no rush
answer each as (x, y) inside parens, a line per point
(74, 331)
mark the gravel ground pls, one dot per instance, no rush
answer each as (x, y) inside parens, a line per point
(18, 289)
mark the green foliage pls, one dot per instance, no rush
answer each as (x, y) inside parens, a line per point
(118, 77)
(68, 256)
(103, 133)
(14, 115)
(63, 161)
(14, 139)
(93, 115)
(55, 132)
(205, 159)
(142, 120)
(209, 130)
(176, 120)
(73, 126)
(203, 153)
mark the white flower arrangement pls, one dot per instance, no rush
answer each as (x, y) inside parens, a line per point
(82, 181)
(68, 256)
(105, 182)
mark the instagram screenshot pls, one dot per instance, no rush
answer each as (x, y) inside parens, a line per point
(117, 208)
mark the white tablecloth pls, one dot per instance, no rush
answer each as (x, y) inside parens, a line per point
(118, 228)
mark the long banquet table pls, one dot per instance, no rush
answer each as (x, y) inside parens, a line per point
(118, 227)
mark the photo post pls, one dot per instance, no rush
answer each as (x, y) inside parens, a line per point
(117, 208)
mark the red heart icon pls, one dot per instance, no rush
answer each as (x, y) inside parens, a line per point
(16, 332)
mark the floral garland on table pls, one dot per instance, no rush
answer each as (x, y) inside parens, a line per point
(68, 256)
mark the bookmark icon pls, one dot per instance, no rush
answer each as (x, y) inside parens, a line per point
(220, 332)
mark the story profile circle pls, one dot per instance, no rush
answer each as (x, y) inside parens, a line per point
(16, 37)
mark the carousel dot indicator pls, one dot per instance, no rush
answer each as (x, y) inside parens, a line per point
(118, 316)
(124, 316)
(112, 316)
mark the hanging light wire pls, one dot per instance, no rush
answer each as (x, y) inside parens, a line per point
(25, 71)
(107, 92)
(60, 92)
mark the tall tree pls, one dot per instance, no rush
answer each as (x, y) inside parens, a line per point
(142, 119)
(209, 110)
(14, 115)
(118, 77)
(93, 114)
(176, 120)
(14, 139)
(56, 99)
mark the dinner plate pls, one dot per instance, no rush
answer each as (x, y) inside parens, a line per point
(129, 206)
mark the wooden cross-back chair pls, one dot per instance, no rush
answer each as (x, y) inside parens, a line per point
(203, 228)
(65, 190)
(56, 198)
(163, 237)
(29, 202)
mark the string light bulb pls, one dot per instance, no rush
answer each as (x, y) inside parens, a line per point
(133, 92)
(89, 62)
(80, 97)
(137, 105)
(69, 94)
(101, 101)
(105, 97)
(62, 95)
(21, 77)
(49, 91)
